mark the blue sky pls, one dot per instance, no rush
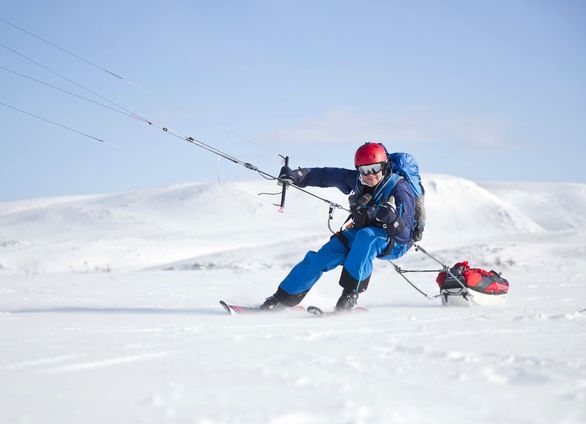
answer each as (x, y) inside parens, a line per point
(485, 90)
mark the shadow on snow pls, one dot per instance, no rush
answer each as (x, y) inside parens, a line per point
(117, 310)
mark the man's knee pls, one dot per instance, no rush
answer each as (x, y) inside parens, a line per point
(310, 256)
(366, 233)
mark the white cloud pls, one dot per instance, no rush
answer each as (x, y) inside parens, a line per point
(346, 125)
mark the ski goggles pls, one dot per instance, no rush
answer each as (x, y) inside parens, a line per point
(373, 168)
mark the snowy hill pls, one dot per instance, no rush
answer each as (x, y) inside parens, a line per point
(554, 206)
(109, 311)
(158, 226)
(459, 208)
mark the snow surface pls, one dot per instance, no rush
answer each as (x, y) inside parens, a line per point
(109, 311)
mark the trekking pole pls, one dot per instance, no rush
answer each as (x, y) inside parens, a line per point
(445, 267)
(401, 272)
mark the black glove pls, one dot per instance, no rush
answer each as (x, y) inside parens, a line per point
(291, 176)
(418, 233)
(386, 215)
(360, 214)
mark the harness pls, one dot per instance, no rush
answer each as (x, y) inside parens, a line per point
(381, 194)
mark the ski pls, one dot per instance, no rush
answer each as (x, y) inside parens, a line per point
(240, 309)
(314, 310)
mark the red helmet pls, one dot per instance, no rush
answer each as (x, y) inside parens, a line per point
(370, 153)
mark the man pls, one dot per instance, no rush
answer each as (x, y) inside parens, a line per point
(382, 206)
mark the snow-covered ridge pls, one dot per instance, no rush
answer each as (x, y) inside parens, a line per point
(463, 209)
(164, 225)
(554, 206)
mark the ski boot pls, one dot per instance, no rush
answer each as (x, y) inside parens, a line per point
(273, 303)
(347, 301)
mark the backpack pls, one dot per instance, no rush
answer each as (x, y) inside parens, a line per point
(406, 166)
(485, 287)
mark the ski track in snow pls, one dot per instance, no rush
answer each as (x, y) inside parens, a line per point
(106, 362)
(93, 329)
(38, 362)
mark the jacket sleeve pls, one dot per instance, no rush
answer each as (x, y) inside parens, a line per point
(405, 204)
(341, 178)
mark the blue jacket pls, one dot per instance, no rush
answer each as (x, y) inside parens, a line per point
(348, 181)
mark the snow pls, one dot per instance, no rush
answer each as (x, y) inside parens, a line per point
(109, 311)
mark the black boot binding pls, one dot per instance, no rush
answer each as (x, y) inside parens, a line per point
(347, 301)
(273, 303)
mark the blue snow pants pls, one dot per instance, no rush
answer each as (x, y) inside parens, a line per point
(365, 244)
